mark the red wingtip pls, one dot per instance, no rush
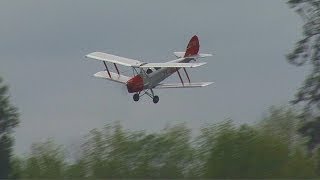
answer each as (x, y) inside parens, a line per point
(193, 47)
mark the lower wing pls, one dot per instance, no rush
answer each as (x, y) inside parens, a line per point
(180, 85)
(112, 77)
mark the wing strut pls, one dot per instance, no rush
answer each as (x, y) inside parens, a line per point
(187, 74)
(116, 68)
(107, 69)
(180, 76)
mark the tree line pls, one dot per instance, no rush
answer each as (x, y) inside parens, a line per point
(271, 148)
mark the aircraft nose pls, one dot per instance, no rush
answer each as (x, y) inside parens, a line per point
(135, 84)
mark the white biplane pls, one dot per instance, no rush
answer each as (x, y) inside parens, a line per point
(148, 76)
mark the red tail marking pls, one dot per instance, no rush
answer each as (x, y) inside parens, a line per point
(193, 47)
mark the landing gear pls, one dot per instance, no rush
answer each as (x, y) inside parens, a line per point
(154, 98)
(136, 97)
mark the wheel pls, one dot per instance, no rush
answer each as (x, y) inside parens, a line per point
(136, 97)
(155, 99)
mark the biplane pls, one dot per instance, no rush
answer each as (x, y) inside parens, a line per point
(148, 76)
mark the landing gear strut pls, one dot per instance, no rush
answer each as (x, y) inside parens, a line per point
(154, 98)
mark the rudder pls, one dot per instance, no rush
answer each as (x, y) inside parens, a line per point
(193, 47)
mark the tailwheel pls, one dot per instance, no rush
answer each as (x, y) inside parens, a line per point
(136, 97)
(155, 99)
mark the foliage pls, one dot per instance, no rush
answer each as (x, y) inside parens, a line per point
(8, 121)
(46, 160)
(246, 152)
(115, 153)
(269, 149)
(308, 50)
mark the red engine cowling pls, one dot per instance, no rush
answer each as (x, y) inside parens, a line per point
(135, 84)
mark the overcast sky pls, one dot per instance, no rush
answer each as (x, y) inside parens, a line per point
(43, 44)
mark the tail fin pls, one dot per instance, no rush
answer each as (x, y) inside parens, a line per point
(193, 47)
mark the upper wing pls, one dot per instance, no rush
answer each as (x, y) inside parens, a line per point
(135, 63)
(114, 59)
(185, 85)
(168, 64)
(113, 76)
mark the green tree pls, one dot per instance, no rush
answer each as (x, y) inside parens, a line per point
(172, 152)
(284, 123)
(299, 165)
(46, 160)
(111, 152)
(16, 167)
(8, 120)
(308, 50)
(115, 153)
(75, 170)
(251, 152)
(223, 150)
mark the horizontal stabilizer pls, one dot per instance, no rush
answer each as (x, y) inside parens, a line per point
(114, 59)
(177, 65)
(114, 76)
(181, 54)
(185, 85)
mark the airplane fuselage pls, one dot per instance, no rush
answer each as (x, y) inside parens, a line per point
(144, 80)
(153, 79)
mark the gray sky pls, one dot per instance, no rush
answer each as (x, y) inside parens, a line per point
(43, 43)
